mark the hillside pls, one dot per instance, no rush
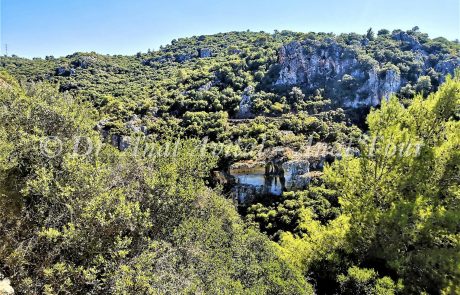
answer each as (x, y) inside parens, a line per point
(235, 163)
(211, 73)
(194, 87)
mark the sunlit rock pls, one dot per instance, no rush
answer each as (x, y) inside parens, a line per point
(5, 287)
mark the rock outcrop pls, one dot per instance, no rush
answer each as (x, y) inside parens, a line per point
(204, 52)
(390, 84)
(350, 77)
(410, 40)
(5, 287)
(206, 87)
(280, 170)
(84, 62)
(337, 68)
(65, 72)
(295, 173)
(447, 66)
(245, 106)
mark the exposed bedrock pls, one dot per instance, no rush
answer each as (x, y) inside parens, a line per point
(281, 170)
(350, 77)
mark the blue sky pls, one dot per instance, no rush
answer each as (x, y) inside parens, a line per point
(36, 28)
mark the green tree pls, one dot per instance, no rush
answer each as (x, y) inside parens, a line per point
(370, 34)
(360, 281)
(399, 201)
(111, 222)
(401, 193)
(423, 84)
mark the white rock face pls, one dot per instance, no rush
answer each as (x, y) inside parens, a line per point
(273, 176)
(295, 174)
(447, 66)
(294, 64)
(408, 39)
(312, 61)
(246, 104)
(368, 93)
(5, 287)
(391, 84)
(323, 65)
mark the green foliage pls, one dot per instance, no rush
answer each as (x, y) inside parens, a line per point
(175, 80)
(205, 124)
(285, 215)
(113, 222)
(423, 84)
(399, 204)
(365, 282)
(176, 93)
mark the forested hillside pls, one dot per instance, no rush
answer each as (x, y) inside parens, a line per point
(193, 86)
(284, 163)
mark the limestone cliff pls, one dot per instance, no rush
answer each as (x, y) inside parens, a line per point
(350, 76)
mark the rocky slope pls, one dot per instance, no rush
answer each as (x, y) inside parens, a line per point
(349, 77)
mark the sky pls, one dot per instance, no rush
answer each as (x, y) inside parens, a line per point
(37, 28)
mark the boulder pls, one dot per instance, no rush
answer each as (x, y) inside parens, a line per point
(124, 143)
(5, 287)
(204, 52)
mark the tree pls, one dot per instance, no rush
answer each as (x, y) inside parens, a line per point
(383, 32)
(370, 34)
(296, 95)
(399, 202)
(111, 222)
(366, 282)
(423, 84)
(400, 194)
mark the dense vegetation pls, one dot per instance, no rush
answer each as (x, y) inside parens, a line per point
(385, 220)
(115, 223)
(193, 86)
(393, 211)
